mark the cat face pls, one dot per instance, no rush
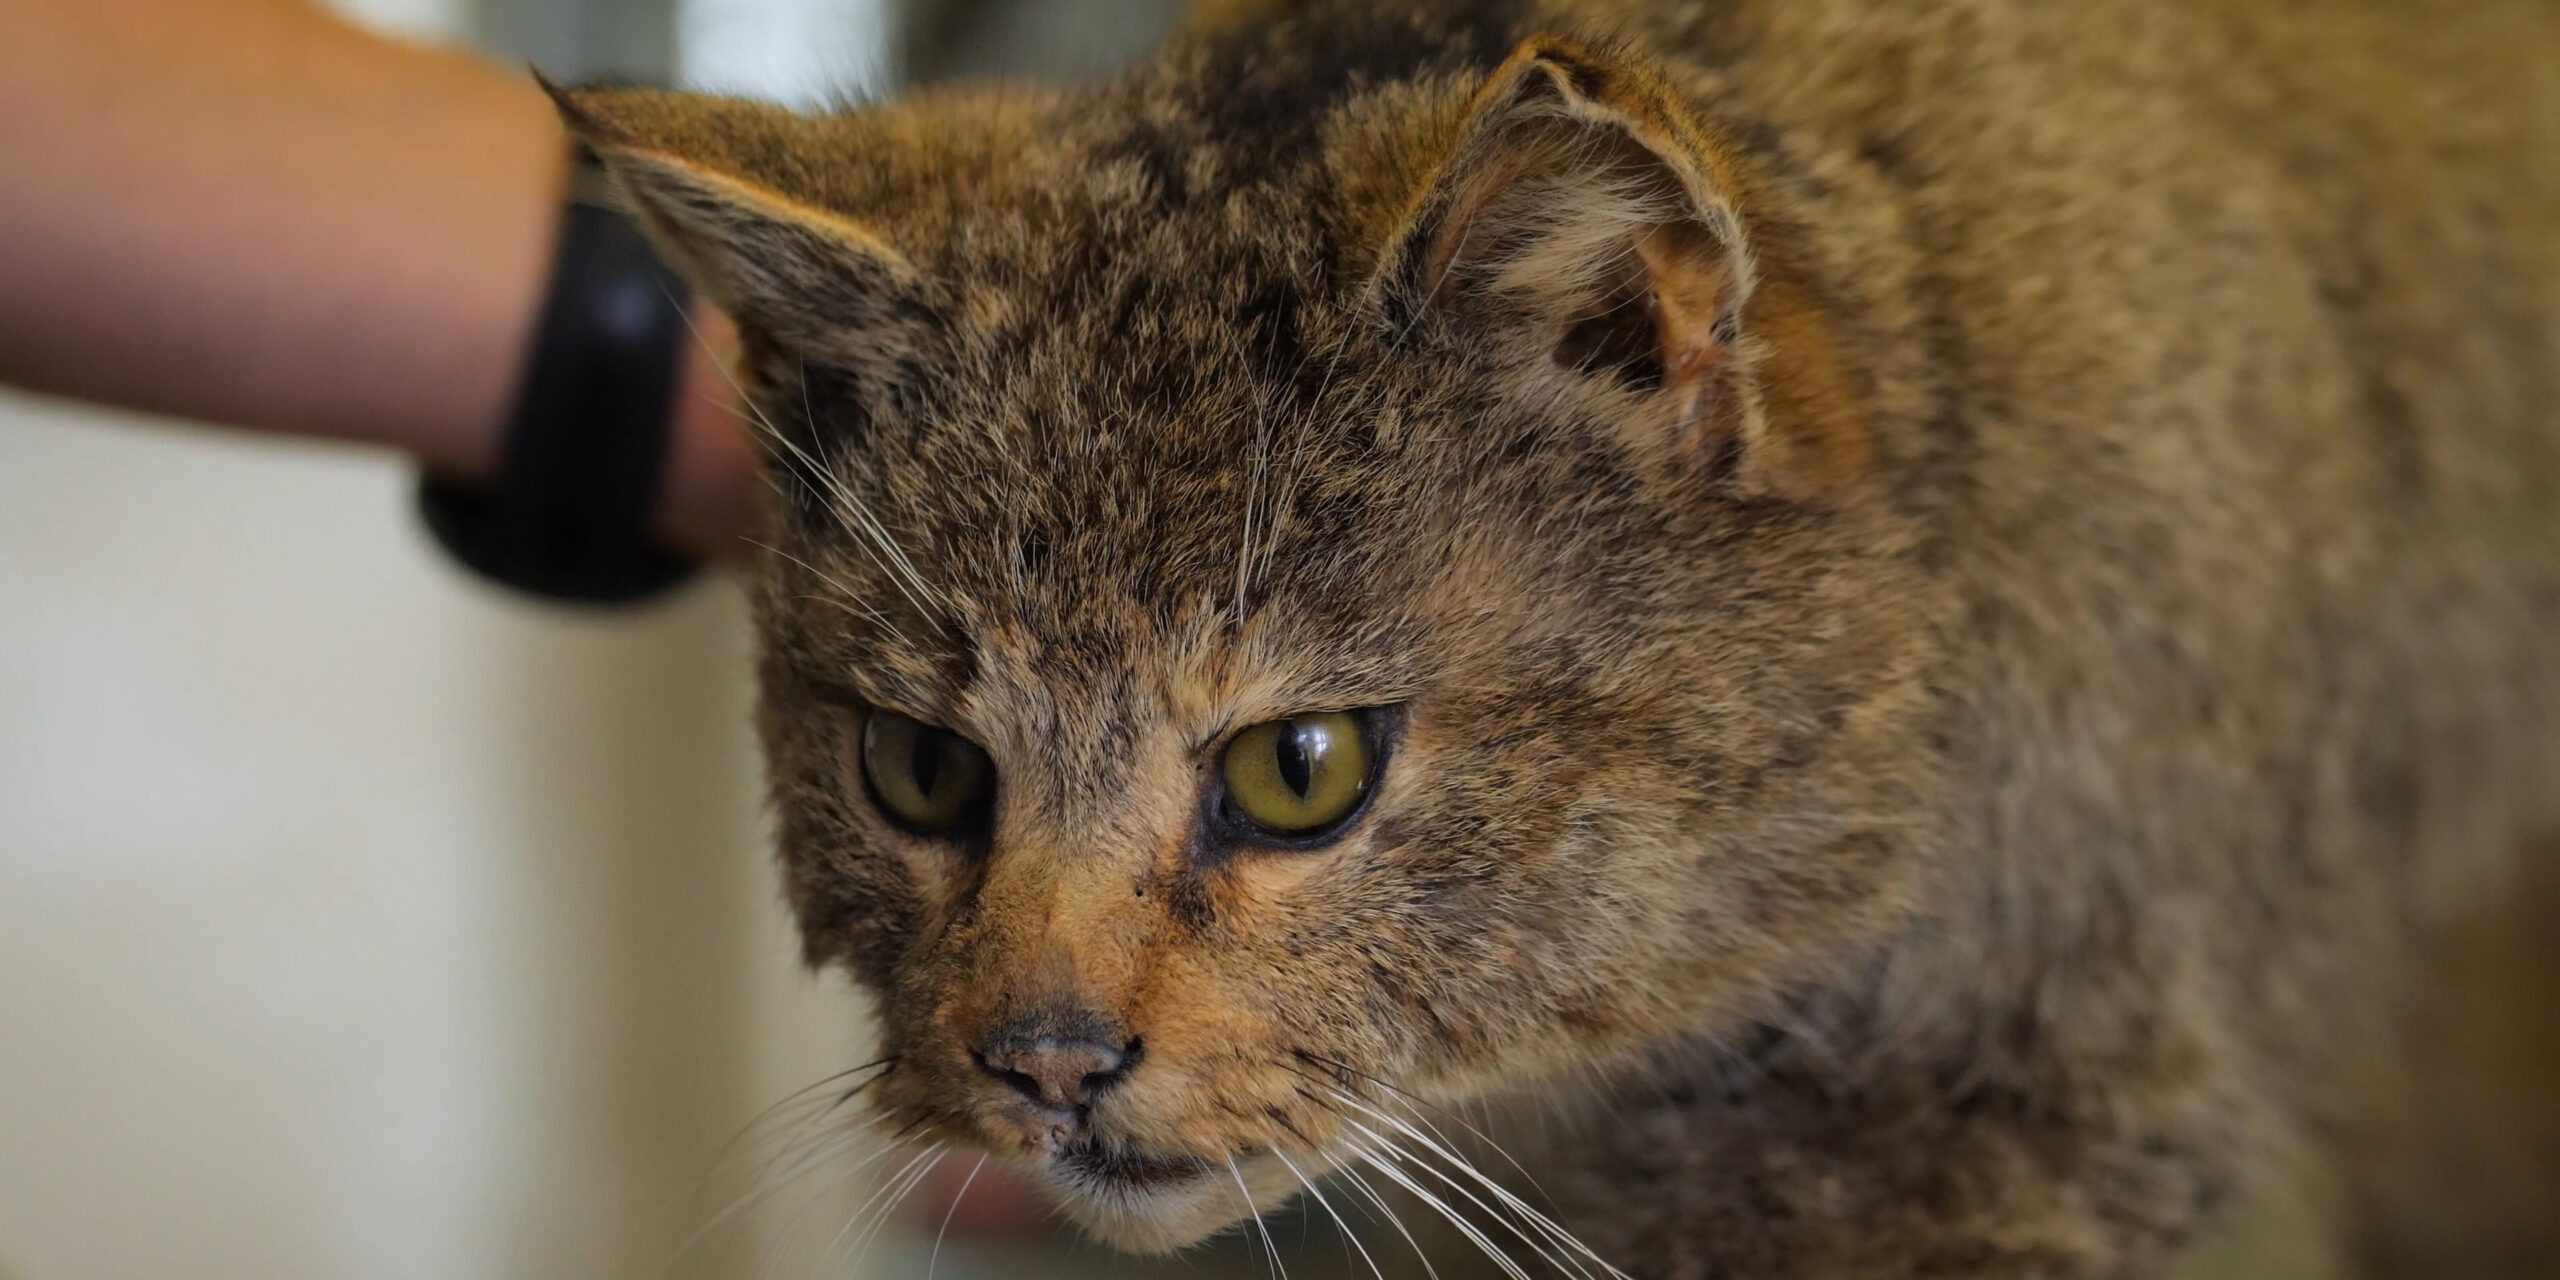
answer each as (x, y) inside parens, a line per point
(1266, 630)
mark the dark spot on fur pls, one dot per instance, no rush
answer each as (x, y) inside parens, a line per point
(1190, 904)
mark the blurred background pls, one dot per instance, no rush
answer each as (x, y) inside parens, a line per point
(357, 921)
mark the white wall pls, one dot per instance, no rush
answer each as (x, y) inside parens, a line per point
(798, 51)
(353, 921)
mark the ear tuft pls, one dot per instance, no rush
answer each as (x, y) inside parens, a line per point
(581, 123)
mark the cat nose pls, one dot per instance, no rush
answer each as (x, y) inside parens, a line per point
(1061, 1071)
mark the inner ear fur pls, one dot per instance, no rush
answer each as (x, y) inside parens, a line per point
(1580, 212)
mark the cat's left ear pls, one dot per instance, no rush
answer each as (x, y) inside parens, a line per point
(710, 180)
(1580, 226)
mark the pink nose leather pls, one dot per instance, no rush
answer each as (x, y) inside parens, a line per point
(1054, 1072)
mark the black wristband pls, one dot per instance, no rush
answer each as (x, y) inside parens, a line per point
(567, 516)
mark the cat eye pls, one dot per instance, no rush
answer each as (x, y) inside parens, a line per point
(1298, 777)
(924, 777)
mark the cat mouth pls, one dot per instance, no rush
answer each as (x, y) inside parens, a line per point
(1100, 1166)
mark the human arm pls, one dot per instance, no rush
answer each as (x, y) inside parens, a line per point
(250, 213)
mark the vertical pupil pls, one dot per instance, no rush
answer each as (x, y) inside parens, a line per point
(1294, 764)
(924, 762)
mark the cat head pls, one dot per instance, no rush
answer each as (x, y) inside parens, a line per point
(1298, 593)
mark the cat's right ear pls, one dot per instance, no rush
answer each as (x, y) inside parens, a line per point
(692, 171)
(1581, 226)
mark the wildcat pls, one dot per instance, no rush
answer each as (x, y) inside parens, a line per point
(1880, 638)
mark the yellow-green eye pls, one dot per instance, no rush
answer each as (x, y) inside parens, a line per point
(1296, 776)
(928, 778)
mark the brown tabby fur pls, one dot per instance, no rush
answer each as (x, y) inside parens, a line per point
(2018, 713)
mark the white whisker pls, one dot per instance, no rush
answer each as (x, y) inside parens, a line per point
(856, 517)
(889, 1210)
(1561, 1261)
(792, 1105)
(1390, 1093)
(1252, 494)
(823, 1142)
(852, 601)
(1386, 1169)
(879, 532)
(1348, 1234)
(848, 508)
(934, 1261)
(820, 1196)
(1512, 1204)
(862, 1212)
(1394, 1219)
(819, 1151)
(1270, 1250)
